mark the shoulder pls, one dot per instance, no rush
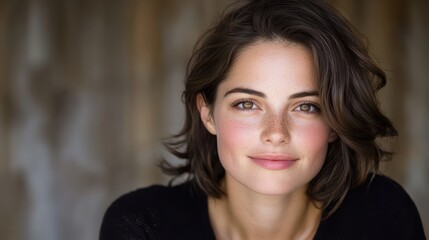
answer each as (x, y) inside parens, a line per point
(380, 208)
(385, 199)
(146, 213)
(151, 197)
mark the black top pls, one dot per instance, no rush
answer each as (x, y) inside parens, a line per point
(379, 210)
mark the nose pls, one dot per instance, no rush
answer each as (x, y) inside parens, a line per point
(275, 130)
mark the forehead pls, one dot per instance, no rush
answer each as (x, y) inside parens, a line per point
(273, 63)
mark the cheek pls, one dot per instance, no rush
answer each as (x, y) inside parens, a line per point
(234, 137)
(313, 139)
(314, 132)
(231, 131)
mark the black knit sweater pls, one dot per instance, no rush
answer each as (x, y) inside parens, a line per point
(377, 210)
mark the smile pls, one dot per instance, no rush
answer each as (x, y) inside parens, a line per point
(273, 162)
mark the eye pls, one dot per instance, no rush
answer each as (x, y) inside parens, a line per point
(245, 105)
(308, 108)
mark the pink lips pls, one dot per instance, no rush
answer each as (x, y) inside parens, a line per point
(273, 161)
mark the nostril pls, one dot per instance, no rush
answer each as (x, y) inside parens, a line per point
(276, 138)
(275, 135)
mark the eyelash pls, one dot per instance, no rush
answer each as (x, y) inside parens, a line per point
(236, 104)
(311, 104)
(314, 105)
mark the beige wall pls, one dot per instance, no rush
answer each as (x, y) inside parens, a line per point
(87, 89)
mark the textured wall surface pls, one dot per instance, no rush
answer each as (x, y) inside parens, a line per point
(89, 88)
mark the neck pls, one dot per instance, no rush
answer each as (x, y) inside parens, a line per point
(244, 214)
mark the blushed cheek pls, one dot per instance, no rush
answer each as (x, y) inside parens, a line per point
(315, 138)
(234, 135)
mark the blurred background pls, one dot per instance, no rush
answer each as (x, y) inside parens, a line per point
(88, 88)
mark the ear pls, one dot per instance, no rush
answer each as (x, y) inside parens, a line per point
(332, 135)
(205, 114)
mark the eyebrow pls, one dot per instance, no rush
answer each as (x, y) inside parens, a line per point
(247, 91)
(261, 94)
(303, 94)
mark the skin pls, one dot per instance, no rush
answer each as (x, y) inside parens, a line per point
(272, 141)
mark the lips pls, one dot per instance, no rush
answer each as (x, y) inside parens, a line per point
(273, 161)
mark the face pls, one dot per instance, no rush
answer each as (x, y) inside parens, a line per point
(271, 134)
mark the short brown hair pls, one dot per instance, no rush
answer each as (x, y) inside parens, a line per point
(348, 81)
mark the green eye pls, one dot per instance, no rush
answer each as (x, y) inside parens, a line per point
(247, 105)
(305, 108)
(308, 108)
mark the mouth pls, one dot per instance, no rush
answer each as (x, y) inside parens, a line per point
(273, 161)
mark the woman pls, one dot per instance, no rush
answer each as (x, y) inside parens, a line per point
(279, 140)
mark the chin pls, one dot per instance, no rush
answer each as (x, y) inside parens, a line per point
(278, 188)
